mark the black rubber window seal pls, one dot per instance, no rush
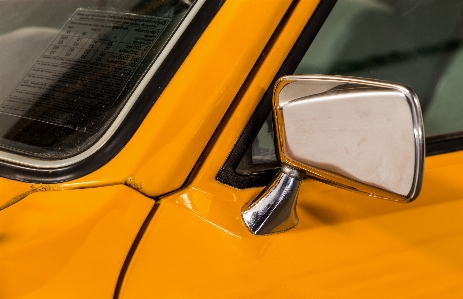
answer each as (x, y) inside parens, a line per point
(228, 175)
(445, 143)
(135, 116)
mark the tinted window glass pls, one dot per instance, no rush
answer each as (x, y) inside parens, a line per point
(414, 42)
(70, 67)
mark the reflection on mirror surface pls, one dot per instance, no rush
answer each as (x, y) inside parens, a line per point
(352, 132)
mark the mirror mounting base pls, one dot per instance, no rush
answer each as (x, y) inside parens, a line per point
(274, 209)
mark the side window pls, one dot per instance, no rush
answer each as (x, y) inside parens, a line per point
(414, 42)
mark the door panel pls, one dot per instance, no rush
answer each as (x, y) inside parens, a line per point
(346, 244)
(69, 244)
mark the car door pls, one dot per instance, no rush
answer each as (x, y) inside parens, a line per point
(69, 230)
(346, 244)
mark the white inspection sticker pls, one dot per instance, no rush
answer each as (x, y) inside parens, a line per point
(83, 71)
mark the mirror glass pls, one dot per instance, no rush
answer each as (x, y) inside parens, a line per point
(358, 134)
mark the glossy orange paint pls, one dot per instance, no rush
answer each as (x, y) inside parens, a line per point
(346, 245)
(62, 237)
(68, 244)
(73, 243)
(9, 189)
(165, 148)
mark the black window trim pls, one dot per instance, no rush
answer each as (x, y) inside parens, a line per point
(445, 143)
(228, 175)
(134, 117)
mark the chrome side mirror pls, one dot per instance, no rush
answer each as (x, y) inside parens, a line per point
(358, 134)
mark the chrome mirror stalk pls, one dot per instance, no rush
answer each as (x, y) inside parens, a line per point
(274, 209)
(358, 134)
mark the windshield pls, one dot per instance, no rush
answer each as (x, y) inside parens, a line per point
(71, 69)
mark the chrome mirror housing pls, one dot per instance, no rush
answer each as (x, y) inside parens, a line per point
(358, 134)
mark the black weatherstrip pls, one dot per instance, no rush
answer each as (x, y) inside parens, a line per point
(444, 143)
(228, 174)
(133, 119)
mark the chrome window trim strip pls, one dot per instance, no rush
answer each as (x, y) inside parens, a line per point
(43, 164)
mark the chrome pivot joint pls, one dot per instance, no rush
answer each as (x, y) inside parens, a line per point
(274, 209)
